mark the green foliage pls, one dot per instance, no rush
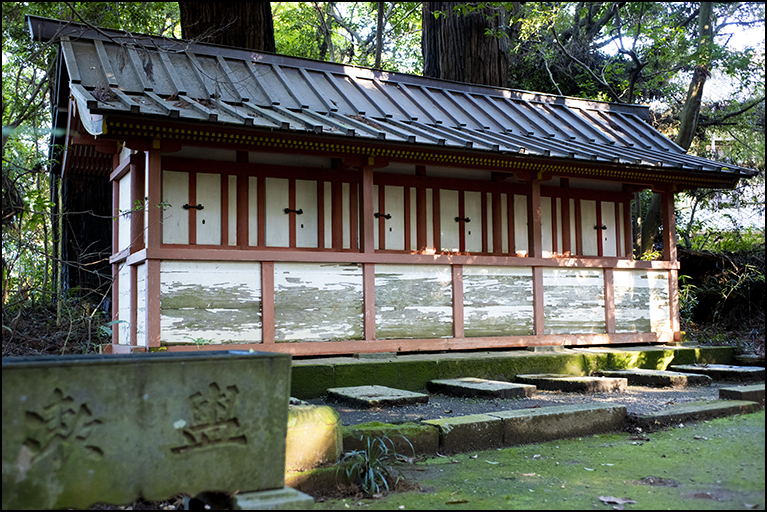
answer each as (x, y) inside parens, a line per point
(345, 32)
(370, 468)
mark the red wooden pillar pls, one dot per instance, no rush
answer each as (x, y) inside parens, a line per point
(153, 241)
(669, 254)
(535, 250)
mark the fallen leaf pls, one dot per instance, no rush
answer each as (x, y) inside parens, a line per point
(605, 464)
(589, 469)
(376, 496)
(528, 474)
(455, 502)
(447, 411)
(440, 455)
(490, 462)
(454, 461)
(537, 456)
(474, 456)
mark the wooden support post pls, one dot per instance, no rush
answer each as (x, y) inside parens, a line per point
(137, 183)
(609, 301)
(153, 304)
(673, 303)
(534, 232)
(369, 301)
(366, 211)
(267, 302)
(538, 316)
(458, 301)
(669, 226)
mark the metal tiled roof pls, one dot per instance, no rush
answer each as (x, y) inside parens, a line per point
(111, 72)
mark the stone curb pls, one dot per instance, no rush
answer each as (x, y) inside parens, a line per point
(752, 393)
(693, 412)
(723, 372)
(575, 383)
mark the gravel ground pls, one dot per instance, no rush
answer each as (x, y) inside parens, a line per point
(637, 399)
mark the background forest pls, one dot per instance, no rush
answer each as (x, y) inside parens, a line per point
(700, 65)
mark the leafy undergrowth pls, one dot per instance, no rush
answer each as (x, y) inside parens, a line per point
(717, 464)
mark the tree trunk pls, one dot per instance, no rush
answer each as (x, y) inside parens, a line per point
(379, 35)
(241, 24)
(455, 46)
(688, 120)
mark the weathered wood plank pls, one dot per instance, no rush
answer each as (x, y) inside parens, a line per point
(317, 302)
(573, 301)
(219, 302)
(498, 301)
(413, 301)
(641, 301)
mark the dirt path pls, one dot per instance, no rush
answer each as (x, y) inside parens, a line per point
(717, 464)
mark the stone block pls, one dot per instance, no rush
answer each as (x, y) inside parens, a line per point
(574, 383)
(276, 499)
(469, 433)
(375, 396)
(408, 439)
(472, 387)
(723, 372)
(752, 393)
(78, 430)
(558, 422)
(694, 411)
(314, 437)
(658, 378)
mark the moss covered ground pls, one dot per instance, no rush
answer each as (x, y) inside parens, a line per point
(717, 464)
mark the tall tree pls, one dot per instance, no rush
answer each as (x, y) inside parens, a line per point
(465, 43)
(242, 24)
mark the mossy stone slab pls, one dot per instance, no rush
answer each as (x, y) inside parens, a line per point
(469, 433)
(473, 387)
(693, 412)
(558, 422)
(409, 439)
(723, 372)
(375, 396)
(78, 430)
(658, 378)
(574, 383)
(752, 393)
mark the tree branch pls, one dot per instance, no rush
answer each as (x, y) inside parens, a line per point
(610, 90)
(743, 110)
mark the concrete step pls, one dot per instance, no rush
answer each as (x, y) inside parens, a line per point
(694, 411)
(472, 387)
(375, 396)
(750, 360)
(752, 393)
(508, 428)
(722, 372)
(658, 378)
(574, 383)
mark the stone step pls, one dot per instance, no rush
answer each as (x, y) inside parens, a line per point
(472, 387)
(752, 393)
(369, 397)
(693, 412)
(574, 383)
(658, 378)
(722, 372)
(508, 428)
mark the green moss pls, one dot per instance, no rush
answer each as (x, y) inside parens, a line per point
(704, 465)
(409, 438)
(311, 381)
